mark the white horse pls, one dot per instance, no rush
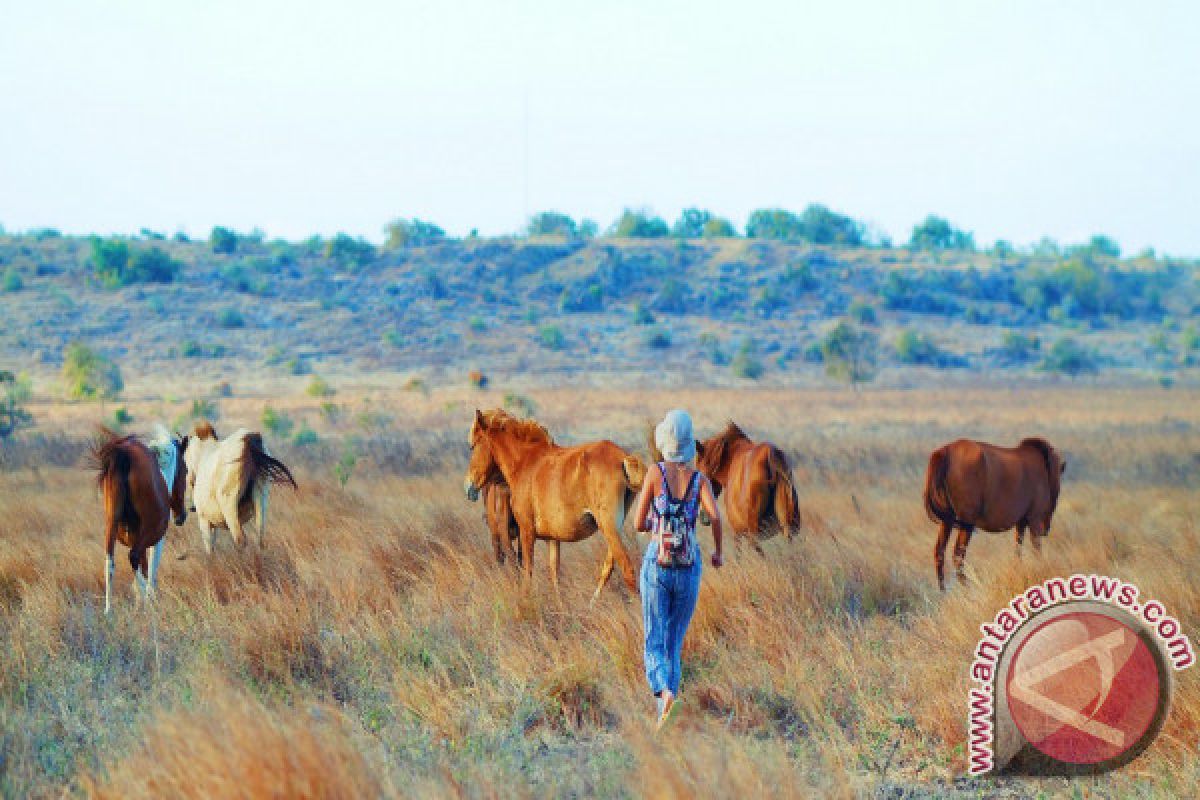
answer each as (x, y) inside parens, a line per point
(228, 479)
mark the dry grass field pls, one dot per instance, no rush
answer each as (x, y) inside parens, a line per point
(374, 648)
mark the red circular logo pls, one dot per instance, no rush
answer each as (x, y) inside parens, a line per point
(1085, 688)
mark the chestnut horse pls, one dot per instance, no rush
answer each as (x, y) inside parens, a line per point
(760, 493)
(134, 480)
(559, 494)
(229, 480)
(972, 485)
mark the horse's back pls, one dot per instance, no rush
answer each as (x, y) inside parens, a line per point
(991, 486)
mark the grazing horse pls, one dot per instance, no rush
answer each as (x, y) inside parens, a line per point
(141, 488)
(760, 493)
(559, 494)
(972, 485)
(229, 479)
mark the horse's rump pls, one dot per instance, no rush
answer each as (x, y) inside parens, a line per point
(109, 456)
(937, 501)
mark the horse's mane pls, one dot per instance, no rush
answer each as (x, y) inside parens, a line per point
(108, 450)
(712, 450)
(498, 420)
(204, 430)
(1053, 460)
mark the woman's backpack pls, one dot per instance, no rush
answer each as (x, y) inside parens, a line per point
(675, 522)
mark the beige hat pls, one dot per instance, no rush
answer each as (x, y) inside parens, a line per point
(673, 437)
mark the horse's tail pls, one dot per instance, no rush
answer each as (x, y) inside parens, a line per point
(258, 466)
(937, 502)
(110, 459)
(787, 504)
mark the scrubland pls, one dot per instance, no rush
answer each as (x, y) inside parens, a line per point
(374, 648)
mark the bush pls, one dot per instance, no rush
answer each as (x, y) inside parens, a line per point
(18, 389)
(1018, 348)
(935, 233)
(551, 223)
(691, 223)
(229, 318)
(642, 315)
(476, 324)
(850, 353)
(222, 241)
(277, 423)
(710, 345)
(89, 375)
(205, 408)
(318, 387)
(657, 338)
(115, 266)
(551, 337)
(190, 348)
(519, 404)
(718, 228)
(393, 338)
(12, 281)
(411, 233)
(639, 224)
(305, 436)
(344, 468)
(863, 313)
(347, 251)
(1068, 357)
(120, 418)
(917, 348)
(745, 363)
(817, 224)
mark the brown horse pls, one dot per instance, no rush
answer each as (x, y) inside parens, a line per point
(497, 513)
(137, 501)
(972, 485)
(760, 493)
(559, 494)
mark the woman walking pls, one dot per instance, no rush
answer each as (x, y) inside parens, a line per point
(671, 496)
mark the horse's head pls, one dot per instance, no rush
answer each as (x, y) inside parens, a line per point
(482, 469)
(179, 484)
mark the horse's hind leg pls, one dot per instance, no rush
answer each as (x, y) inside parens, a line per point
(229, 508)
(606, 570)
(260, 511)
(610, 527)
(554, 565)
(137, 560)
(939, 554)
(208, 536)
(155, 557)
(960, 552)
(1037, 532)
(1020, 536)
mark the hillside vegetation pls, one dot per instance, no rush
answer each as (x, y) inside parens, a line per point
(718, 309)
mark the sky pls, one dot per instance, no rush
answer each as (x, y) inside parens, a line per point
(1012, 119)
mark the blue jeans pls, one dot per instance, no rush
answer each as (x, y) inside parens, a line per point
(668, 600)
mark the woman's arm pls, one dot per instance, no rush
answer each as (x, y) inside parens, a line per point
(708, 502)
(645, 498)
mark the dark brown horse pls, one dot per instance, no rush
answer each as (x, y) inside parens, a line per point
(972, 485)
(559, 494)
(760, 493)
(138, 502)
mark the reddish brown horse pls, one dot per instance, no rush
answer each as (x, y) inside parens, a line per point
(972, 485)
(559, 494)
(138, 502)
(760, 493)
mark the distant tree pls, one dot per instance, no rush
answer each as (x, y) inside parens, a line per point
(690, 224)
(819, 225)
(109, 260)
(718, 228)
(850, 353)
(1046, 248)
(89, 375)
(152, 265)
(745, 363)
(638, 224)
(551, 337)
(863, 313)
(17, 390)
(12, 280)
(773, 223)
(347, 251)
(552, 223)
(588, 229)
(917, 348)
(1003, 249)
(1018, 348)
(935, 233)
(223, 240)
(1099, 246)
(411, 233)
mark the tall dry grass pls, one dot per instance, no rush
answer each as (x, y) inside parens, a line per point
(374, 647)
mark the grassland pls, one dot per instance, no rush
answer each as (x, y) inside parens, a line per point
(374, 647)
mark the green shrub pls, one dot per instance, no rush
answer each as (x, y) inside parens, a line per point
(863, 313)
(551, 337)
(229, 318)
(277, 423)
(640, 224)
(1019, 348)
(850, 353)
(549, 223)
(519, 404)
(718, 228)
(89, 375)
(115, 265)
(222, 240)
(18, 389)
(657, 338)
(917, 348)
(1068, 357)
(205, 408)
(331, 412)
(642, 315)
(318, 387)
(393, 338)
(745, 362)
(476, 324)
(305, 436)
(347, 251)
(344, 468)
(120, 417)
(935, 233)
(411, 233)
(12, 281)
(298, 366)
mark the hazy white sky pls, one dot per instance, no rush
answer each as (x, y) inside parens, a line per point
(1014, 119)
